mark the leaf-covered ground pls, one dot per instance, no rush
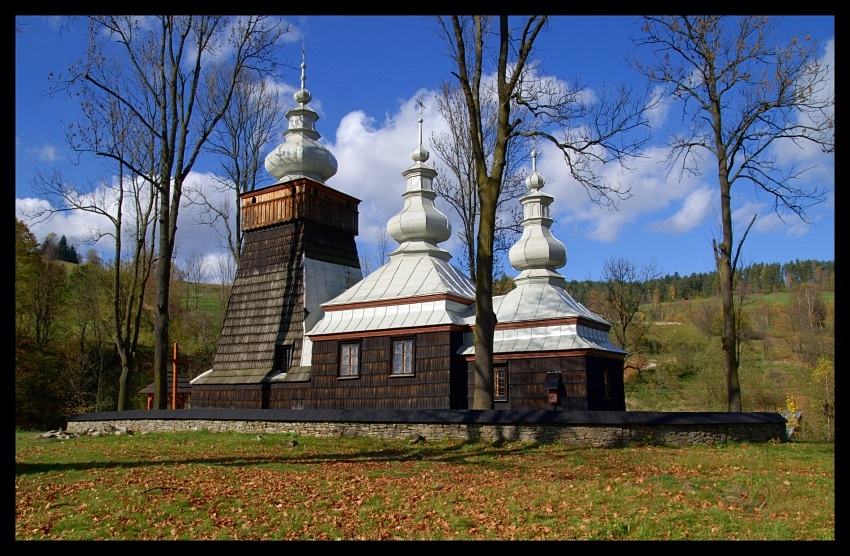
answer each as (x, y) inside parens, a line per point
(230, 486)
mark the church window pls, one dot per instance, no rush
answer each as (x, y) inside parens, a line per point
(403, 356)
(349, 360)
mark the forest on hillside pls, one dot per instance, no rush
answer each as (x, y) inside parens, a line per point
(67, 362)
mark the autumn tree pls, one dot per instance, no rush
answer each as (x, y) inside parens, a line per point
(741, 96)
(528, 104)
(28, 265)
(176, 75)
(127, 205)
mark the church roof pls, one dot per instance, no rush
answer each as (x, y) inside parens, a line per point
(540, 301)
(541, 314)
(407, 277)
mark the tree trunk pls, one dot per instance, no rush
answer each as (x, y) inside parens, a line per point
(723, 259)
(485, 318)
(163, 285)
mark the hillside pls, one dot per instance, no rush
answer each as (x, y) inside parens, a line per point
(66, 361)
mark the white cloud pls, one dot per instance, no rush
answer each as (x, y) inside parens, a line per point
(46, 153)
(372, 156)
(76, 226)
(657, 115)
(695, 208)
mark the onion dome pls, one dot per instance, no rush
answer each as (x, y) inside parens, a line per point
(301, 155)
(537, 253)
(419, 227)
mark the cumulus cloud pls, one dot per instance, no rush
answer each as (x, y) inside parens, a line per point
(663, 104)
(373, 154)
(692, 213)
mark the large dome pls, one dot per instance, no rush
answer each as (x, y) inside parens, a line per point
(301, 155)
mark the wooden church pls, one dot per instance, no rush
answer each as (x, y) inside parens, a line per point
(305, 330)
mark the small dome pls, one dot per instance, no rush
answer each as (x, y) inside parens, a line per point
(420, 226)
(537, 248)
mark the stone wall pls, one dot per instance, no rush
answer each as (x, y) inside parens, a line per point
(579, 435)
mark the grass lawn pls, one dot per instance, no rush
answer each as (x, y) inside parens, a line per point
(202, 485)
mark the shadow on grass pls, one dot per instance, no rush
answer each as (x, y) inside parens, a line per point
(466, 452)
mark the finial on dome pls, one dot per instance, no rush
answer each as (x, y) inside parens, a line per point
(419, 154)
(535, 180)
(302, 95)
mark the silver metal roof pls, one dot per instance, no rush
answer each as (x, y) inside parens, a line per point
(537, 301)
(545, 338)
(410, 276)
(387, 317)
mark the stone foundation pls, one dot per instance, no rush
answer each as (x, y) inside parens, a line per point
(635, 428)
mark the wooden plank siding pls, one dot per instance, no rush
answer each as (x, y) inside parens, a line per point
(430, 386)
(582, 383)
(286, 223)
(234, 396)
(283, 225)
(265, 305)
(300, 199)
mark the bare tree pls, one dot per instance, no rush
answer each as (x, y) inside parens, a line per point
(252, 120)
(128, 204)
(586, 134)
(625, 286)
(741, 96)
(196, 275)
(225, 273)
(176, 76)
(457, 187)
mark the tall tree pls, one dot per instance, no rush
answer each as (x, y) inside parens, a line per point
(457, 187)
(128, 205)
(240, 143)
(527, 105)
(741, 96)
(49, 292)
(177, 77)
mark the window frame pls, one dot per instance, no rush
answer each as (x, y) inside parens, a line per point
(352, 367)
(411, 359)
(282, 357)
(500, 369)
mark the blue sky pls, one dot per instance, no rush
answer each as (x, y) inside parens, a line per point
(364, 74)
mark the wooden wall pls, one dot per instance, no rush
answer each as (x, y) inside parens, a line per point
(430, 387)
(582, 386)
(227, 396)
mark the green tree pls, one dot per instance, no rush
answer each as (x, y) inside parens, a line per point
(28, 265)
(741, 95)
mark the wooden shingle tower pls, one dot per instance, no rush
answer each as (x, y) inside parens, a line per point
(298, 252)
